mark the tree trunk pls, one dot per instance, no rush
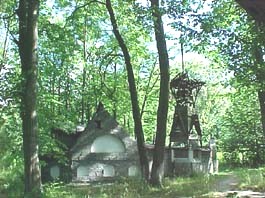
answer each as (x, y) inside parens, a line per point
(28, 16)
(259, 63)
(138, 129)
(84, 73)
(261, 95)
(158, 156)
(83, 96)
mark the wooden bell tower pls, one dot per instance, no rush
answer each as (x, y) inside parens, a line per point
(185, 93)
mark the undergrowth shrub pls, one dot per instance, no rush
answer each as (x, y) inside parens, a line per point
(11, 177)
(253, 179)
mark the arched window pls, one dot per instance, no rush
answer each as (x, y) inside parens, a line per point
(55, 172)
(107, 144)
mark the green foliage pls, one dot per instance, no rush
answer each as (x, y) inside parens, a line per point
(11, 176)
(252, 179)
(11, 167)
(241, 133)
(11, 156)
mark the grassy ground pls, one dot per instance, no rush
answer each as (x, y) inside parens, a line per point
(252, 179)
(196, 186)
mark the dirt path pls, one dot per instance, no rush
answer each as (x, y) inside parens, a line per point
(228, 187)
(2, 195)
(228, 183)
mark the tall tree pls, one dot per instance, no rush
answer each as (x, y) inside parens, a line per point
(158, 156)
(138, 129)
(28, 36)
(259, 65)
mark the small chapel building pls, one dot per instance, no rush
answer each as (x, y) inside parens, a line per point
(104, 151)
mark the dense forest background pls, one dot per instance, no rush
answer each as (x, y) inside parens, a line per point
(80, 64)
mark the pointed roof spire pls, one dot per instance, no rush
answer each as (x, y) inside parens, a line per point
(100, 107)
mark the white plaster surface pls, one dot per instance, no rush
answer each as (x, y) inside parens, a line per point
(133, 171)
(96, 170)
(107, 144)
(55, 172)
(108, 171)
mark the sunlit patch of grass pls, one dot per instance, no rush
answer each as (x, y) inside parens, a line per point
(197, 186)
(122, 188)
(252, 179)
